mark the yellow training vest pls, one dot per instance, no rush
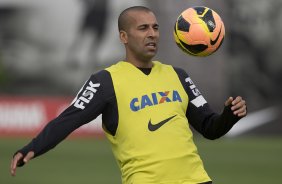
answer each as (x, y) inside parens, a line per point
(153, 143)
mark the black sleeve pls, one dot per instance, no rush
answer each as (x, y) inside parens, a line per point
(210, 124)
(87, 105)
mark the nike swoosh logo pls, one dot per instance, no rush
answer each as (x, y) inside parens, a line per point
(214, 41)
(154, 127)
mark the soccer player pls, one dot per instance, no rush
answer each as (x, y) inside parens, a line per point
(146, 109)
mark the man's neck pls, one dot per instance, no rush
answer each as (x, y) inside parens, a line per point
(139, 63)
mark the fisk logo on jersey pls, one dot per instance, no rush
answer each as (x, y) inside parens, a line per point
(86, 96)
(199, 100)
(154, 99)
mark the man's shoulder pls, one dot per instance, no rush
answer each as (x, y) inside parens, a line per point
(159, 64)
(102, 76)
(178, 70)
(115, 67)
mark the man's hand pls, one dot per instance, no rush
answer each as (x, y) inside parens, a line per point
(18, 160)
(238, 106)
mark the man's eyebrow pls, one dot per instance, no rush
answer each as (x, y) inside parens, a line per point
(141, 25)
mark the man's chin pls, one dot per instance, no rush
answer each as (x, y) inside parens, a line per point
(151, 54)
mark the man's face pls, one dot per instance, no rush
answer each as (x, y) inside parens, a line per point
(142, 35)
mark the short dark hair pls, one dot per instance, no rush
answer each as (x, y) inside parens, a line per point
(123, 19)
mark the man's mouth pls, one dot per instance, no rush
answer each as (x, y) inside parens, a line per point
(151, 45)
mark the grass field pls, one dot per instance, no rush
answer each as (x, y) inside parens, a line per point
(90, 161)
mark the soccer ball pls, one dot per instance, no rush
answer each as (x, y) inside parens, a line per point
(199, 31)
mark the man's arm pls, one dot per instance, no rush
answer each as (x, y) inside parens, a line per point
(210, 124)
(87, 105)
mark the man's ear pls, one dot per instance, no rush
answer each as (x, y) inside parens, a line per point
(123, 36)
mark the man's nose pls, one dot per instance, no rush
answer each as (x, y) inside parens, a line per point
(152, 32)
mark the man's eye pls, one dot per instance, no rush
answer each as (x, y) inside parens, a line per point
(142, 27)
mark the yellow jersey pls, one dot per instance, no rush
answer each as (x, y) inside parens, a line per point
(153, 143)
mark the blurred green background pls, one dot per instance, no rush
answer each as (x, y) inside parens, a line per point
(246, 160)
(39, 63)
